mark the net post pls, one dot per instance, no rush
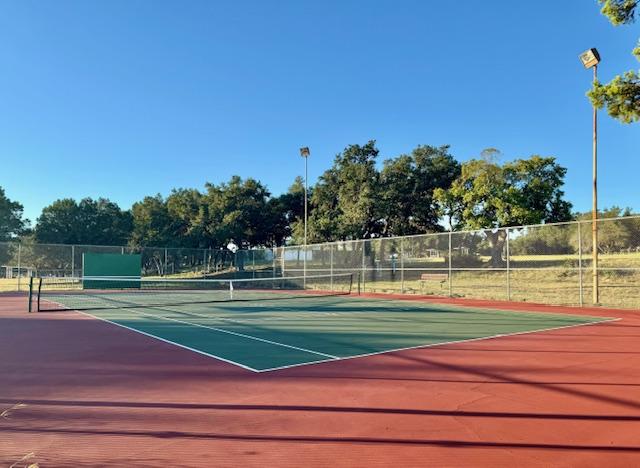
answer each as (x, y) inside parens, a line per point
(39, 293)
(30, 294)
(508, 266)
(580, 293)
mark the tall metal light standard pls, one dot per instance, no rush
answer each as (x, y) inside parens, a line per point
(304, 152)
(590, 59)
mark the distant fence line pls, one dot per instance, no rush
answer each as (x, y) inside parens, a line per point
(549, 263)
(23, 259)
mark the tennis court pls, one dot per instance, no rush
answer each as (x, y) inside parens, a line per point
(269, 324)
(223, 373)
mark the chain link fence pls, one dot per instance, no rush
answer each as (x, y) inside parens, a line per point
(549, 263)
(21, 260)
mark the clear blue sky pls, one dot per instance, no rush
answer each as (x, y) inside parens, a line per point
(124, 99)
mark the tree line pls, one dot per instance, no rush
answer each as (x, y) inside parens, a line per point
(426, 190)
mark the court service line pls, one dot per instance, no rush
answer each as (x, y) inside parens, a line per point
(443, 343)
(150, 335)
(276, 343)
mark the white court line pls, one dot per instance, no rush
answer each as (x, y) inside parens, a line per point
(170, 342)
(467, 340)
(331, 357)
(230, 332)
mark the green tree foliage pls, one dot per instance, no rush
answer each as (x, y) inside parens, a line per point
(345, 200)
(619, 11)
(11, 222)
(152, 224)
(353, 200)
(98, 222)
(187, 218)
(238, 211)
(621, 96)
(488, 195)
(407, 184)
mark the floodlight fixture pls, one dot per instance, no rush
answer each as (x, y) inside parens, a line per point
(590, 58)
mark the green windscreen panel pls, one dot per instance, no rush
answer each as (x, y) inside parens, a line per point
(108, 265)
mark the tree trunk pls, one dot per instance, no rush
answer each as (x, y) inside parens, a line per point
(497, 241)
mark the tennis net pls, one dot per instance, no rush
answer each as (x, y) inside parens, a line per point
(86, 293)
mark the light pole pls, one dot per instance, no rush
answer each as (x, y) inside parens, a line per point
(304, 152)
(590, 59)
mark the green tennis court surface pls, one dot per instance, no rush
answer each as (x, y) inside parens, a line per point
(269, 335)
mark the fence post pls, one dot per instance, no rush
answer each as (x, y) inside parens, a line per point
(304, 266)
(364, 268)
(508, 267)
(19, 263)
(274, 253)
(331, 264)
(253, 262)
(283, 251)
(73, 261)
(164, 272)
(401, 265)
(581, 299)
(450, 267)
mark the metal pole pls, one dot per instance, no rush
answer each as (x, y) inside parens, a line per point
(306, 188)
(73, 261)
(19, 263)
(274, 253)
(508, 268)
(594, 214)
(580, 262)
(253, 262)
(331, 263)
(401, 266)
(30, 299)
(165, 263)
(364, 267)
(450, 268)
